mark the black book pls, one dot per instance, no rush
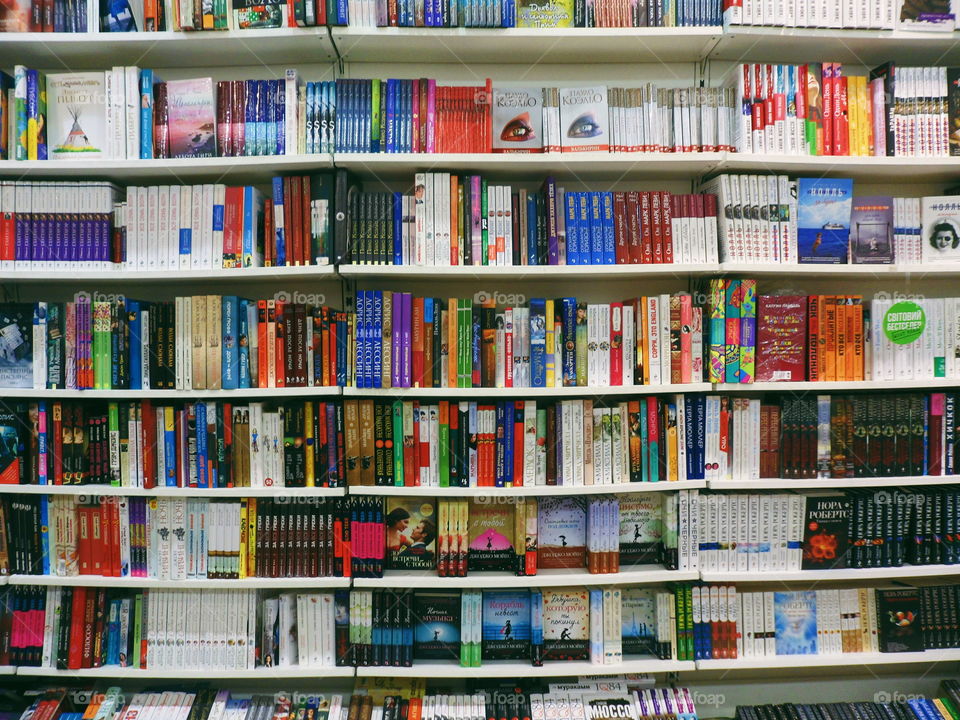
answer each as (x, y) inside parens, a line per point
(826, 533)
(898, 620)
(436, 635)
(347, 187)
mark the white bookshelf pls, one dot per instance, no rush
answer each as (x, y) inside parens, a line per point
(835, 386)
(832, 483)
(767, 662)
(866, 575)
(8, 670)
(517, 669)
(529, 392)
(244, 275)
(135, 674)
(228, 395)
(878, 272)
(526, 272)
(284, 583)
(527, 490)
(235, 492)
(544, 578)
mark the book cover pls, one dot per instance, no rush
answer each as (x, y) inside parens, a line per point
(249, 14)
(545, 13)
(953, 110)
(781, 338)
(411, 531)
(871, 230)
(638, 613)
(491, 538)
(517, 120)
(11, 425)
(795, 614)
(584, 119)
(898, 620)
(825, 539)
(823, 219)
(566, 624)
(940, 222)
(436, 635)
(927, 15)
(561, 532)
(505, 625)
(16, 345)
(192, 118)
(77, 115)
(641, 527)
(608, 706)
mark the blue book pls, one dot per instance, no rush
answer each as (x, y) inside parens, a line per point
(573, 229)
(185, 238)
(280, 118)
(243, 344)
(795, 614)
(170, 448)
(280, 244)
(136, 345)
(606, 218)
(45, 534)
(687, 438)
(538, 343)
(505, 626)
(252, 217)
(376, 338)
(229, 350)
(475, 343)
(146, 114)
(113, 634)
(341, 353)
(398, 228)
(265, 111)
(596, 229)
(200, 412)
(823, 219)
(389, 100)
(311, 111)
(250, 119)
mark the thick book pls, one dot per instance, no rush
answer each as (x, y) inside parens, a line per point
(192, 118)
(823, 219)
(781, 338)
(517, 120)
(436, 634)
(898, 620)
(411, 533)
(871, 230)
(795, 615)
(825, 533)
(77, 115)
(584, 119)
(940, 234)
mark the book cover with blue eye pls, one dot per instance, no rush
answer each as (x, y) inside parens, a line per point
(517, 120)
(436, 635)
(823, 219)
(795, 614)
(584, 123)
(506, 625)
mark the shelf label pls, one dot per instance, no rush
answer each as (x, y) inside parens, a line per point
(904, 322)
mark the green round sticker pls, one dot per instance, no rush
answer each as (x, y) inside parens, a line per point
(904, 322)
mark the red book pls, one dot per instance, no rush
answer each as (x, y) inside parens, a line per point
(261, 331)
(781, 338)
(99, 551)
(268, 239)
(935, 457)
(279, 343)
(616, 343)
(232, 227)
(826, 84)
(756, 121)
(148, 425)
(656, 224)
(417, 343)
(518, 440)
(295, 199)
(88, 616)
(633, 228)
(305, 223)
(238, 126)
(666, 216)
(77, 614)
(814, 370)
(8, 236)
(57, 444)
(621, 233)
(416, 449)
(646, 229)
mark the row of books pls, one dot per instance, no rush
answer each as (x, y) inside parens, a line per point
(180, 539)
(848, 14)
(942, 707)
(462, 220)
(815, 109)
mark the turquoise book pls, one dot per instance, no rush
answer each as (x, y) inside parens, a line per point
(795, 614)
(824, 206)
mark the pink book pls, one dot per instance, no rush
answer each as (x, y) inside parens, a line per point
(686, 338)
(431, 116)
(616, 343)
(879, 116)
(70, 347)
(508, 349)
(191, 118)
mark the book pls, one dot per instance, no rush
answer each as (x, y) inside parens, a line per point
(16, 345)
(871, 230)
(11, 447)
(505, 625)
(436, 634)
(491, 538)
(927, 15)
(191, 118)
(561, 532)
(411, 533)
(608, 706)
(566, 624)
(940, 222)
(898, 620)
(825, 539)
(781, 338)
(584, 119)
(517, 119)
(641, 529)
(796, 622)
(545, 13)
(638, 612)
(77, 115)
(823, 220)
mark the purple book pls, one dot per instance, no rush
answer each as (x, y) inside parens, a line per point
(476, 241)
(332, 445)
(396, 311)
(405, 345)
(553, 245)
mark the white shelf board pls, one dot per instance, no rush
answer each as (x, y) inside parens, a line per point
(528, 272)
(515, 669)
(112, 671)
(8, 670)
(308, 272)
(885, 272)
(226, 395)
(524, 45)
(832, 483)
(859, 47)
(228, 170)
(800, 576)
(286, 583)
(530, 392)
(825, 387)
(236, 492)
(95, 51)
(579, 166)
(848, 659)
(543, 578)
(869, 169)
(526, 490)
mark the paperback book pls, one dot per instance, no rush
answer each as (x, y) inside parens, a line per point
(491, 539)
(871, 230)
(192, 118)
(566, 624)
(436, 635)
(940, 219)
(411, 534)
(517, 120)
(506, 625)
(584, 119)
(823, 222)
(641, 528)
(825, 538)
(899, 621)
(561, 532)
(16, 345)
(796, 622)
(76, 105)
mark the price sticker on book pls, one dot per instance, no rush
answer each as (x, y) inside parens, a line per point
(904, 323)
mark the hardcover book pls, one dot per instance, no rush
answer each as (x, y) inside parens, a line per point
(517, 120)
(192, 118)
(436, 634)
(545, 13)
(871, 230)
(77, 115)
(491, 537)
(641, 528)
(561, 532)
(823, 219)
(584, 119)
(781, 338)
(638, 612)
(506, 625)
(825, 539)
(249, 14)
(11, 425)
(566, 624)
(16, 345)
(940, 235)
(411, 532)
(795, 614)
(898, 620)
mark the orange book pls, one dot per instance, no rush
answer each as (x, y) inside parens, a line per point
(841, 346)
(855, 339)
(262, 344)
(829, 333)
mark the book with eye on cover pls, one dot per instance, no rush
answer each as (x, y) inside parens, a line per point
(517, 120)
(584, 121)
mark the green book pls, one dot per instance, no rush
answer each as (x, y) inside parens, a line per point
(397, 412)
(484, 229)
(138, 609)
(113, 428)
(375, 115)
(444, 440)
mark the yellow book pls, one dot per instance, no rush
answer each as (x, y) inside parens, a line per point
(853, 116)
(643, 347)
(308, 443)
(243, 570)
(549, 351)
(169, 426)
(252, 537)
(453, 322)
(944, 710)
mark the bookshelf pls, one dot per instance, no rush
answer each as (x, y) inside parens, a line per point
(368, 52)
